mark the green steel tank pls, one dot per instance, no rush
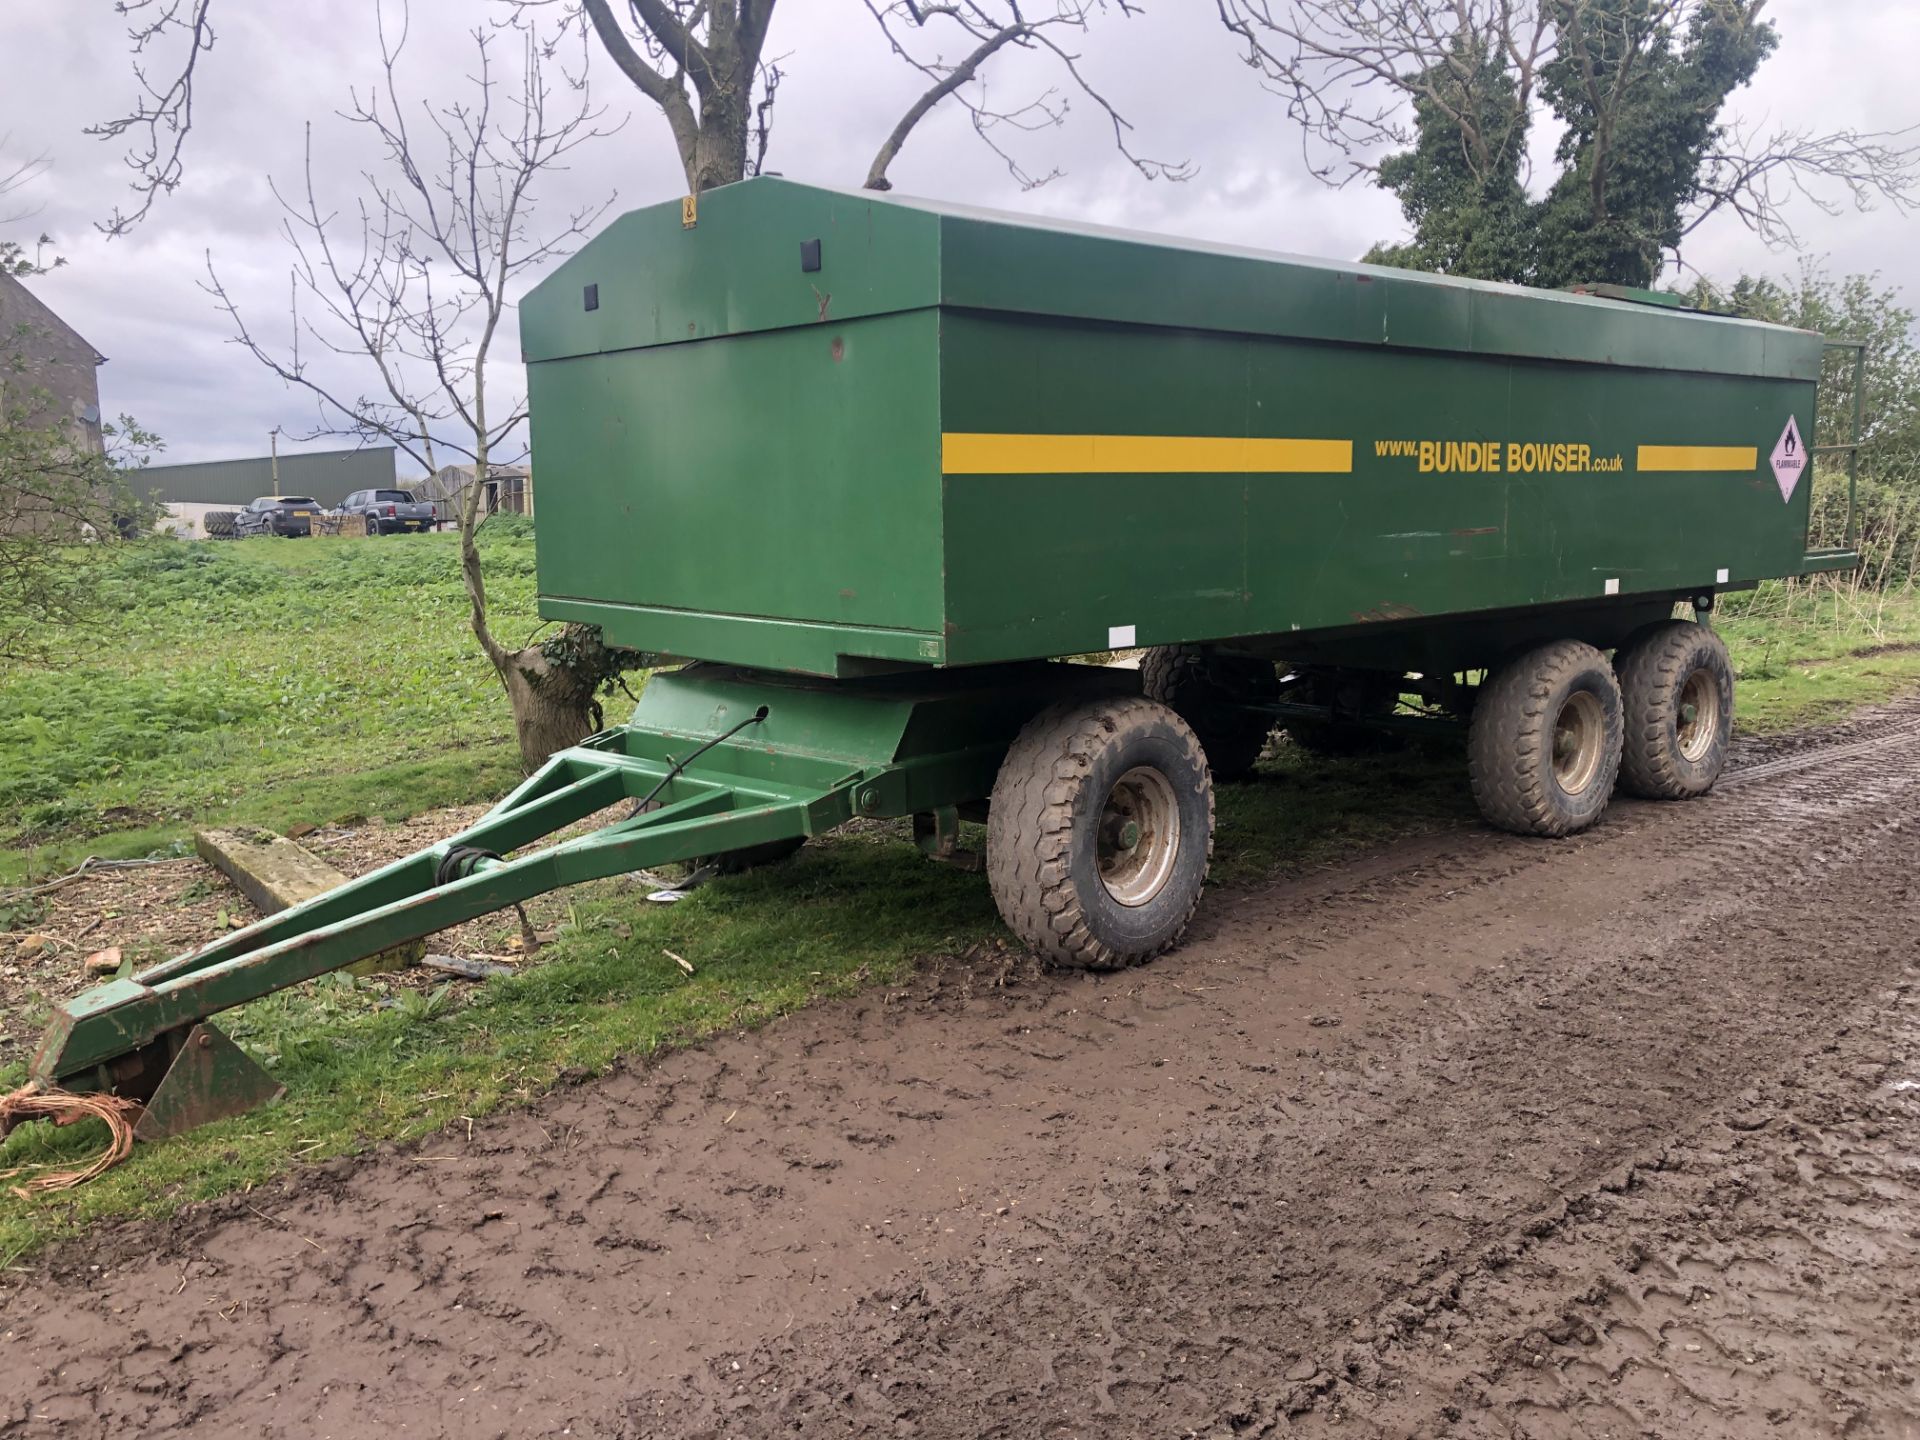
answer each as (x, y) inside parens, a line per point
(868, 475)
(836, 432)
(825, 433)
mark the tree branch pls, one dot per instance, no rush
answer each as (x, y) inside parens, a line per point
(163, 114)
(416, 280)
(987, 28)
(665, 93)
(959, 75)
(1754, 182)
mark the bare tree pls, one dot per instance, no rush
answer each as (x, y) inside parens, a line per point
(1753, 177)
(365, 285)
(15, 258)
(703, 64)
(1639, 84)
(700, 62)
(162, 114)
(17, 177)
(1350, 70)
(915, 29)
(412, 282)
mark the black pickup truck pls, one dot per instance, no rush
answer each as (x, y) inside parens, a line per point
(389, 511)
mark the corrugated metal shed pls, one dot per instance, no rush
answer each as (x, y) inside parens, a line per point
(327, 475)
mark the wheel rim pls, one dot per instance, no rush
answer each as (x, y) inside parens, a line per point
(1698, 721)
(1579, 740)
(1139, 836)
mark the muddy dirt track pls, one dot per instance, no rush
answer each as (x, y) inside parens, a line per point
(1474, 1137)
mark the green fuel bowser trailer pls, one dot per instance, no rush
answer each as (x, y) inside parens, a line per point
(865, 471)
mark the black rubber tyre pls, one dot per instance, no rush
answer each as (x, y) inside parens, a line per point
(1544, 746)
(1209, 690)
(219, 524)
(1353, 692)
(1101, 831)
(1676, 685)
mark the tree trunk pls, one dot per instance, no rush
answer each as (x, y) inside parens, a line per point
(553, 687)
(720, 154)
(552, 707)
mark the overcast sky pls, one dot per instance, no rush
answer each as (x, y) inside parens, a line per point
(1173, 72)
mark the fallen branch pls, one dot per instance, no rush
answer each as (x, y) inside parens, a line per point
(92, 865)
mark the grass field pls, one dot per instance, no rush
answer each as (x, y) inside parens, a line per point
(272, 681)
(309, 681)
(1803, 656)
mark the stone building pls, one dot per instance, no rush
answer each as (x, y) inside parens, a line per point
(47, 369)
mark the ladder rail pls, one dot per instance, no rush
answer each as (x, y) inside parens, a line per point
(1850, 447)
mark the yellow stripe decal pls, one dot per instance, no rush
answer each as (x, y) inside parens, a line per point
(1697, 457)
(1141, 455)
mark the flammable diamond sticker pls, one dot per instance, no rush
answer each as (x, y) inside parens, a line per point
(1789, 459)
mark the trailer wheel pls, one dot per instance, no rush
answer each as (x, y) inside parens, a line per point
(1100, 832)
(1210, 691)
(1544, 746)
(1676, 684)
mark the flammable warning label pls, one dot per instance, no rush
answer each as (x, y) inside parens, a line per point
(1499, 457)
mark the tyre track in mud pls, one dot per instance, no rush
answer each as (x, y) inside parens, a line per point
(1254, 1271)
(1211, 1194)
(1758, 1274)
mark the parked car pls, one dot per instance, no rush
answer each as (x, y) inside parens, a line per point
(389, 511)
(277, 515)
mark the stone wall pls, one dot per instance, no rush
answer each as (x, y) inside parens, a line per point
(46, 363)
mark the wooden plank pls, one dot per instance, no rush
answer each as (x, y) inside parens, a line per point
(274, 873)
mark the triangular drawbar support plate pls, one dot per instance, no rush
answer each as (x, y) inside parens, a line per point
(210, 1078)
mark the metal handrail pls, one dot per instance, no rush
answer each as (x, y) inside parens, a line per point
(1851, 447)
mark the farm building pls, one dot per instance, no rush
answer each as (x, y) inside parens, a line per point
(187, 492)
(56, 367)
(509, 489)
